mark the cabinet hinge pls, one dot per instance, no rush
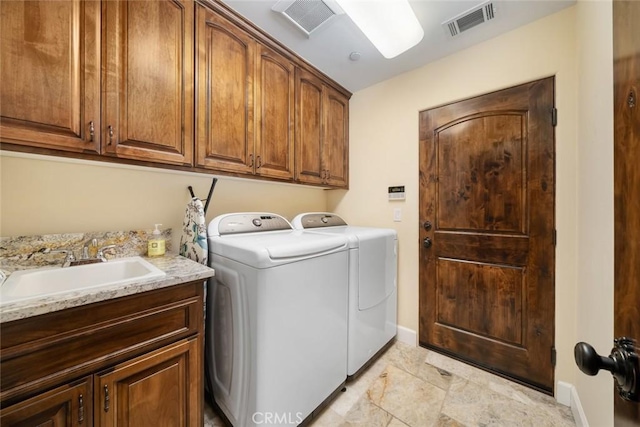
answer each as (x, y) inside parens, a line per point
(553, 357)
(554, 116)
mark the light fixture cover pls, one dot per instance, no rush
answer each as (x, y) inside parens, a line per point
(390, 25)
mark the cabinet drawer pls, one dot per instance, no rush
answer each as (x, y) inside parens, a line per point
(56, 347)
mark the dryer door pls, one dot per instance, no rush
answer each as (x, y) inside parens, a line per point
(378, 261)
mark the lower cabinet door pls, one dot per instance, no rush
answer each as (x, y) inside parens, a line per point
(162, 388)
(67, 405)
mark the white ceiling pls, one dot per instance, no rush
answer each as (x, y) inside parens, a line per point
(328, 48)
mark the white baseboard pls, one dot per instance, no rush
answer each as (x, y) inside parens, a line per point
(407, 336)
(566, 394)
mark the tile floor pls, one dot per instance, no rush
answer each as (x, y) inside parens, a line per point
(415, 387)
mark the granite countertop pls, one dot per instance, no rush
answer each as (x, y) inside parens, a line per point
(178, 270)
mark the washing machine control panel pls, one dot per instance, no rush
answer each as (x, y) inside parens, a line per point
(317, 220)
(251, 223)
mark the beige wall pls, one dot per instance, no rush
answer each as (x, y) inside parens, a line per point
(595, 196)
(384, 150)
(41, 195)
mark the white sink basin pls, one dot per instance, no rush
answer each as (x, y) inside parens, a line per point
(56, 280)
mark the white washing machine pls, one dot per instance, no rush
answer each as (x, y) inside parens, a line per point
(276, 333)
(373, 296)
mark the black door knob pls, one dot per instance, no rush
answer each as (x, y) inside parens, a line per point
(622, 363)
(426, 243)
(427, 225)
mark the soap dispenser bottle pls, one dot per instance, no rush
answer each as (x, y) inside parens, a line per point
(156, 245)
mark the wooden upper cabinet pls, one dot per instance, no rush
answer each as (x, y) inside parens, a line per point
(309, 129)
(274, 115)
(50, 74)
(148, 80)
(336, 138)
(322, 132)
(244, 112)
(224, 113)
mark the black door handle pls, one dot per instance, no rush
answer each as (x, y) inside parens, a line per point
(426, 243)
(622, 363)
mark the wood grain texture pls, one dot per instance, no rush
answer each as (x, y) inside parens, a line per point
(65, 406)
(322, 132)
(225, 82)
(45, 351)
(626, 74)
(336, 138)
(487, 186)
(49, 68)
(148, 80)
(152, 390)
(275, 106)
(309, 128)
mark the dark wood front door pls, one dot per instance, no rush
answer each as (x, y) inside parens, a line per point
(487, 255)
(626, 108)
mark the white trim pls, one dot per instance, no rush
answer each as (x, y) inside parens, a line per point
(563, 393)
(407, 336)
(567, 395)
(576, 408)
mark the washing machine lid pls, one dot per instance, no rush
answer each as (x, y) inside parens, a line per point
(263, 240)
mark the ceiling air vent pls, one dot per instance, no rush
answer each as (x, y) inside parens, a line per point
(469, 19)
(308, 15)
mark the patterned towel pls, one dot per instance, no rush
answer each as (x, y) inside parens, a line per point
(193, 242)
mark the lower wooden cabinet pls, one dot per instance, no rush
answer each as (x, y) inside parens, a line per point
(134, 361)
(154, 390)
(68, 405)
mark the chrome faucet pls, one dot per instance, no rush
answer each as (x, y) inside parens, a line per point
(85, 249)
(68, 259)
(102, 250)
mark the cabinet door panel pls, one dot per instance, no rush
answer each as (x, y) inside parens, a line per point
(162, 388)
(309, 130)
(274, 112)
(336, 137)
(148, 80)
(49, 69)
(226, 66)
(68, 405)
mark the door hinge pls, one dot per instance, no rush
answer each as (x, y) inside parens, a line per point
(554, 116)
(555, 237)
(553, 357)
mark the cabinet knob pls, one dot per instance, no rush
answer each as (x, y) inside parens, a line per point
(92, 131)
(250, 160)
(258, 162)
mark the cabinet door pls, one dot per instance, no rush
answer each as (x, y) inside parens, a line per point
(148, 80)
(309, 129)
(162, 388)
(68, 405)
(224, 114)
(275, 88)
(336, 138)
(50, 74)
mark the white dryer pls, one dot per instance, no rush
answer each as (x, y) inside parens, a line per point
(373, 296)
(276, 333)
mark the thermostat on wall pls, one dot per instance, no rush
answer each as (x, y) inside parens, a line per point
(396, 192)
